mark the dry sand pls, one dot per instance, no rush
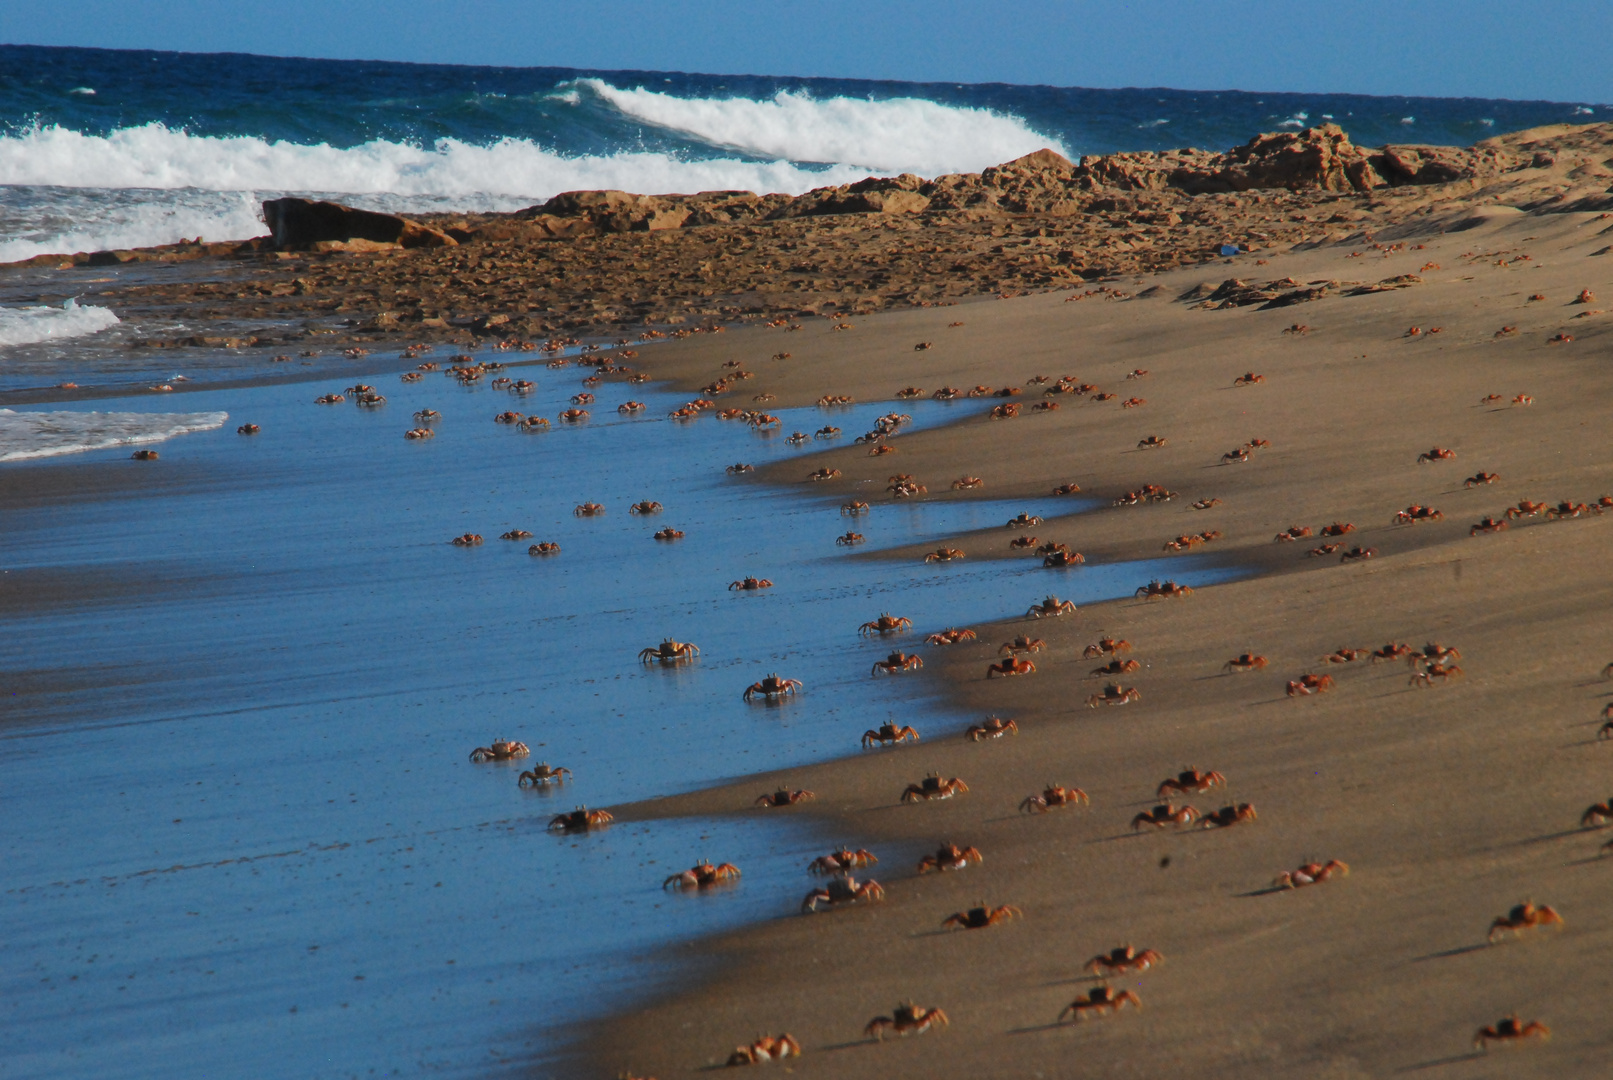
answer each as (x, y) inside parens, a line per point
(1450, 804)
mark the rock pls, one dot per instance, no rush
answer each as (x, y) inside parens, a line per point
(304, 223)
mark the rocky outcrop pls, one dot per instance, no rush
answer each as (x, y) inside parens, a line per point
(305, 224)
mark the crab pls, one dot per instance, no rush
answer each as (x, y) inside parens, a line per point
(1597, 815)
(906, 489)
(1479, 478)
(1438, 453)
(1099, 1001)
(1323, 549)
(1205, 504)
(1235, 456)
(1525, 399)
(896, 663)
(783, 797)
(950, 636)
(1338, 528)
(1106, 647)
(950, 857)
(248, 429)
(773, 687)
(933, 787)
(825, 473)
(1566, 510)
(1050, 607)
(1115, 694)
(1137, 373)
(978, 918)
(426, 416)
(631, 408)
(750, 584)
(1060, 559)
(1010, 665)
(1122, 960)
(669, 652)
(1005, 412)
(907, 1018)
(501, 750)
(1023, 521)
(1022, 643)
(419, 433)
(668, 533)
(740, 467)
(1415, 513)
(1487, 525)
(516, 534)
(588, 510)
(1245, 662)
(850, 539)
(1228, 816)
(885, 624)
(1067, 489)
(1510, 1029)
(765, 1049)
(329, 399)
(1053, 797)
(842, 890)
(574, 416)
(1165, 814)
(1293, 532)
(1346, 656)
(1248, 378)
(853, 509)
(993, 728)
(943, 555)
(1309, 684)
(542, 775)
(1052, 547)
(534, 423)
(1357, 554)
(841, 862)
(646, 507)
(580, 820)
(1442, 672)
(1310, 874)
(887, 734)
(1525, 508)
(1524, 916)
(967, 483)
(1190, 782)
(1157, 591)
(508, 418)
(702, 876)
(544, 548)
(467, 540)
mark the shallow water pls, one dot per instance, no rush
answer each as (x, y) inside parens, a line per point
(243, 836)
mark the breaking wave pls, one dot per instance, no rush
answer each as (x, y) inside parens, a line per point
(26, 325)
(25, 435)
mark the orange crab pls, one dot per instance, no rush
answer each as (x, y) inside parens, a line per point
(1190, 782)
(765, 1049)
(993, 728)
(842, 890)
(1022, 643)
(1050, 607)
(1346, 656)
(588, 510)
(580, 820)
(978, 918)
(1415, 513)
(853, 509)
(1067, 489)
(668, 533)
(749, 584)
(1293, 532)
(702, 876)
(1063, 558)
(943, 555)
(934, 787)
(1487, 525)
(544, 548)
(967, 483)
(1154, 590)
(783, 797)
(885, 624)
(1438, 453)
(850, 539)
(1245, 662)
(1248, 378)
(1510, 1029)
(1442, 672)
(1116, 667)
(1053, 797)
(842, 862)
(1009, 666)
(542, 775)
(1309, 684)
(1123, 960)
(1165, 814)
(1023, 521)
(773, 687)
(1021, 542)
(1524, 916)
(896, 663)
(501, 750)
(907, 1018)
(1106, 647)
(1205, 504)
(1099, 1001)
(669, 652)
(1228, 816)
(950, 636)
(887, 734)
(467, 540)
(1310, 874)
(950, 857)
(1115, 694)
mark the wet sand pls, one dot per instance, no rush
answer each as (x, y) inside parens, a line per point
(1450, 804)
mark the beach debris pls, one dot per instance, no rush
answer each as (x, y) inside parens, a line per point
(1115, 694)
(702, 875)
(1524, 916)
(1107, 647)
(896, 663)
(906, 1019)
(1310, 874)
(1116, 667)
(545, 548)
(501, 750)
(542, 775)
(1248, 378)
(1245, 662)
(943, 555)
(850, 539)
(783, 797)
(773, 687)
(1053, 797)
(1165, 814)
(467, 540)
(842, 890)
(749, 584)
(950, 636)
(1309, 684)
(1510, 1029)
(933, 787)
(978, 918)
(1438, 453)
(889, 734)
(1168, 590)
(1051, 606)
(1415, 513)
(669, 652)
(1123, 960)
(1228, 816)
(843, 861)
(950, 856)
(885, 624)
(994, 727)
(1190, 782)
(1010, 666)
(1024, 643)
(1099, 1001)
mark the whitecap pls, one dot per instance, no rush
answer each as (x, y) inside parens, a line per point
(41, 322)
(26, 435)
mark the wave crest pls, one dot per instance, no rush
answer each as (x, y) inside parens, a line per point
(25, 435)
(26, 325)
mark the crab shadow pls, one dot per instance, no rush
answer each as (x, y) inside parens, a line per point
(1455, 1059)
(1461, 950)
(1056, 1025)
(1267, 891)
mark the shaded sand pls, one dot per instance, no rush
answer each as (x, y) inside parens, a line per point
(1450, 804)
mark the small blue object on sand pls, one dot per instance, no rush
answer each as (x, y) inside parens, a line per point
(1229, 250)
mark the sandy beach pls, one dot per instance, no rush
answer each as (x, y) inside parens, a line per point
(1450, 803)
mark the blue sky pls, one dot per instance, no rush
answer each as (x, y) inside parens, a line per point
(1481, 48)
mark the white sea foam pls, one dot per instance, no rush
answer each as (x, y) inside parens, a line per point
(25, 435)
(896, 135)
(40, 322)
